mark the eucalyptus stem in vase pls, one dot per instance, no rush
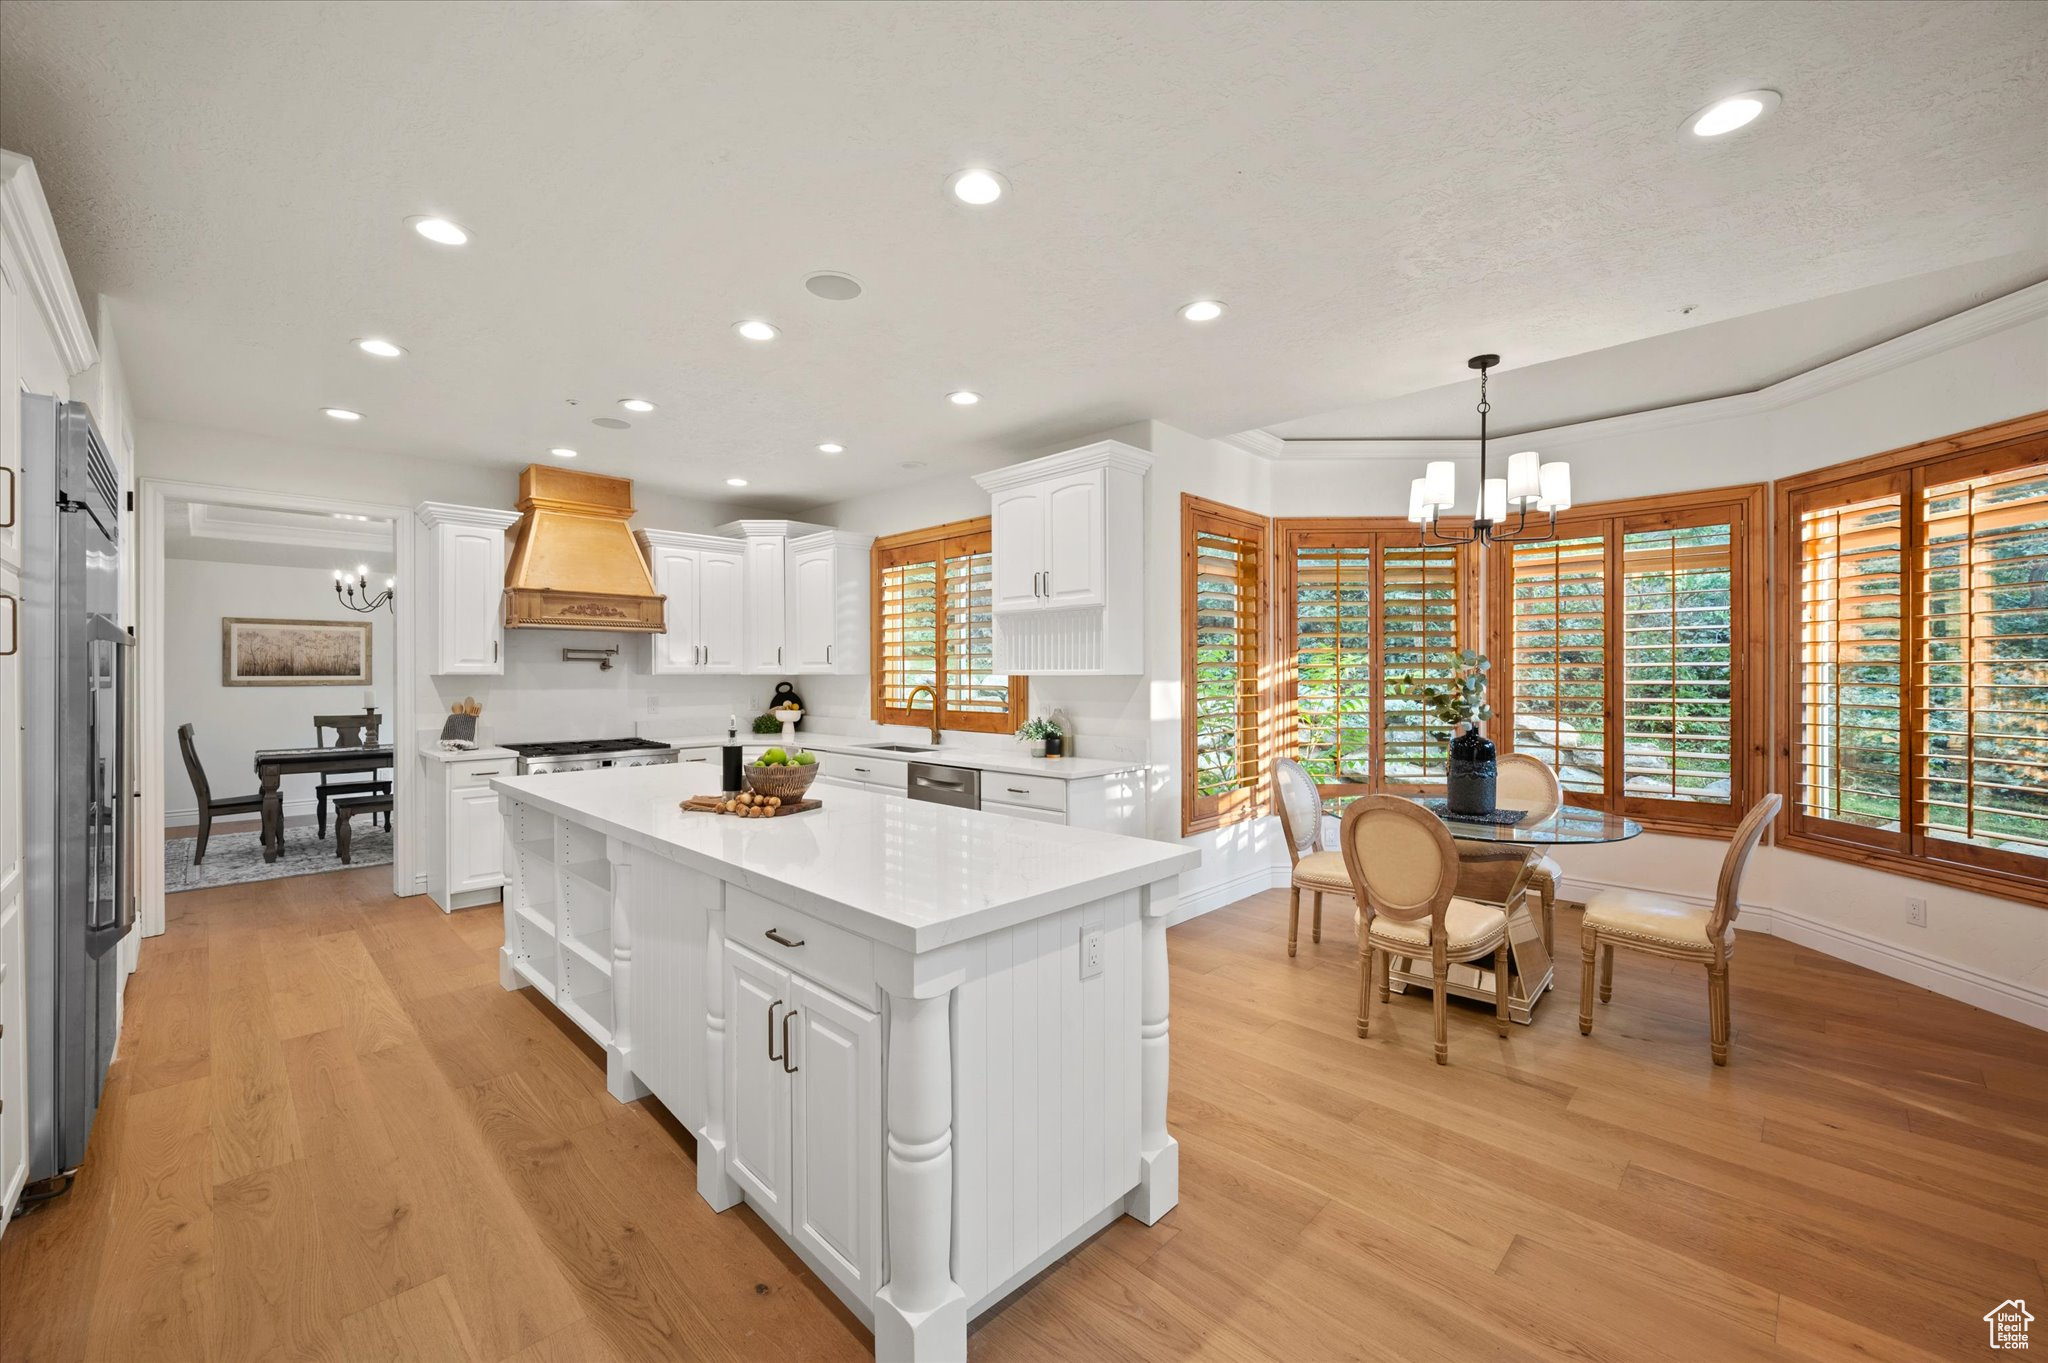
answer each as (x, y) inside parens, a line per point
(1459, 701)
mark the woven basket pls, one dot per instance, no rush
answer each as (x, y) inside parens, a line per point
(785, 783)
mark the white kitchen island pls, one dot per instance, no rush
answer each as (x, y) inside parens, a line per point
(928, 1045)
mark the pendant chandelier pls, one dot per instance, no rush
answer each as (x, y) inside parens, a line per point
(1501, 510)
(355, 592)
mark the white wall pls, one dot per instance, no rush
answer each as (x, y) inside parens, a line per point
(230, 723)
(1983, 366)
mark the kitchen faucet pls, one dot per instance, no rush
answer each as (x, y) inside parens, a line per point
(935, 708)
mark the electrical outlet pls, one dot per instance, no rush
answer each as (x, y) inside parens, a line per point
(1091, 953)
(1916, 912)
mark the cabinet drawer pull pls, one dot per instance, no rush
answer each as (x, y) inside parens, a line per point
(13, 624)
(482, 775)
(13, 497)
(775, 935)
(1014, 791)
(787, 1018)
(771, 1029)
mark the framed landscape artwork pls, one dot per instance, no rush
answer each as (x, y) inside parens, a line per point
(294, 652)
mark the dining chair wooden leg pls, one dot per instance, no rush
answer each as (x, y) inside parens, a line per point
(320, 814)
(1293, 916)
(1367, 964)
(205, 832)
(1606, 972)
(1441, 970)
(1386, 973)
(1315, 930)
(1589, 944)
(1500, 987)
(1717, 1011)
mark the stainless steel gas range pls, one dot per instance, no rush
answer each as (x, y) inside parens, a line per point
(536, 759)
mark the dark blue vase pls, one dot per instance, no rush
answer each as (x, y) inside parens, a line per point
(1469, 774)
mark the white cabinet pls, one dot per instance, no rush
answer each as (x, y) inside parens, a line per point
(776, 617)
(704, 579)
(766, 623)
(803, 1090)
(465, 562)
(465, 832)
(13, 924)
(1068, 537)
(827, 603)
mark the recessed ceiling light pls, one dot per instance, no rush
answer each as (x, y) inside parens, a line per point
(1736, 111)
(562, 452)
(1202, 310)
(342, 414)
(378, 346)
(829, 448)
(636, 404)
(735, 482)
(977, 186)
(756, 330)
(833, 286)
(440, 230)
(963, 398)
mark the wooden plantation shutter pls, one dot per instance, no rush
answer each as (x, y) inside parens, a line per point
(933, 628)
(1223, 551)
(1362, 602)
(1627, 656)
(1914, 624)
(1551, 667)
(1848, 745)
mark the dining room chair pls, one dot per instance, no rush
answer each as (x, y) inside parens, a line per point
(1315, 868)
(1527, 783)
(209, 807)
(1653, 923)
(1403, 866)
(350, 731)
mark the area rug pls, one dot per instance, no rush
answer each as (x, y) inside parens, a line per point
(234, 858)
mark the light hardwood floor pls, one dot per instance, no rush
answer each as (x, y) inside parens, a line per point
(330, 1135)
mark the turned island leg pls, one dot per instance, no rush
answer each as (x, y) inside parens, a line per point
(714, 1184)
(920, 1313)
(1158, 1187)
(619, 1079)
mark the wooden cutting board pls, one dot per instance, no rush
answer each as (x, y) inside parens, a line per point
(712, 804)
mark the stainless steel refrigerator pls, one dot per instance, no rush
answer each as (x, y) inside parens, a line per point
(75, 657)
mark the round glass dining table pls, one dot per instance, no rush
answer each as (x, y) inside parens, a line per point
(1566, 826)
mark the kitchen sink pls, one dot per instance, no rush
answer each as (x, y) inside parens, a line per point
(895, 747)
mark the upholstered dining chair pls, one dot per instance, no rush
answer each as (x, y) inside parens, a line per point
(1317, 869)
(1403, 866)
(1662, 927)
(210, 807)
(1524, 782)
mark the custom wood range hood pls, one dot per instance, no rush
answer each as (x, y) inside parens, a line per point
(574, 563)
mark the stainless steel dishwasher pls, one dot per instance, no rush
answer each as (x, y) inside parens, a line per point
(938, 785)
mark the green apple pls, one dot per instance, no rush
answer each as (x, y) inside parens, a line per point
(803, 759)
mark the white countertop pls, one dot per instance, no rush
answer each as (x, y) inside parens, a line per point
(431, 749)
(911, 875)
(1021, 763)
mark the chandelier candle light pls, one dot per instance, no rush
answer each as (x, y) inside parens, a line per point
(356, 595)
(1530, 483)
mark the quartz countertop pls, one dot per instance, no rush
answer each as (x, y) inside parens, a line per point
(431, 749)
(908, 874)
(1021, 763)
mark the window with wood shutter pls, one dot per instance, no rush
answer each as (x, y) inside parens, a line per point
(1914, 624)
(1223, 606)
(1360, 603)
(933, 627)
(1627, 656)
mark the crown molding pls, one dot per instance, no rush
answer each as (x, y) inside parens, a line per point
(1103, 454)
(447, 513)
(2000, 314)
(756, 529)
(210, 521)
(651, 540)
(1258, 444)
(25, 221)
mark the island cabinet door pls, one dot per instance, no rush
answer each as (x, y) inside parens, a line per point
(836, 1134)
(476, 840)
(757, 1000)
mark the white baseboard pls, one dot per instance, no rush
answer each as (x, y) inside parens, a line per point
(2007, 998)
(1252, 880)
(187, 818)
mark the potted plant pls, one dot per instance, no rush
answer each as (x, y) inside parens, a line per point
(1045, 736)
(1459, 700)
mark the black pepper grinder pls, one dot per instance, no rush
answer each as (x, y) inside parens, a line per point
(734, 782)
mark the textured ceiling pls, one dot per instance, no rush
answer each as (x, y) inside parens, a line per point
(1377, 191)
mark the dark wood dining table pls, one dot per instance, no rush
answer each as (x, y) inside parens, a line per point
(274, 764)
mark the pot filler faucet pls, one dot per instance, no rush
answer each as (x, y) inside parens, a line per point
(935, 708)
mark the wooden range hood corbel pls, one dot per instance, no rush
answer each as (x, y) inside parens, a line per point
(575, 564)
